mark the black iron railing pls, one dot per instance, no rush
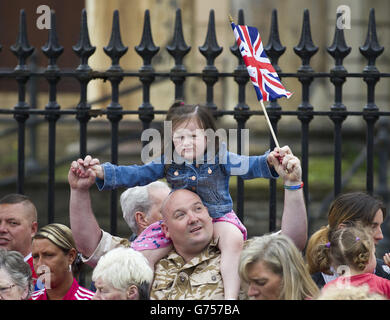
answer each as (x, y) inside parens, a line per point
(178, 49)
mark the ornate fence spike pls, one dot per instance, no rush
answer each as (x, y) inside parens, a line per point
(274, 48)
(115, 48)
(52, 49)
(210, 49)
(305, 48)
(178, 47)
(83, 48)
(22, 48)
(371, 48)
(339, 49)
(146, 49)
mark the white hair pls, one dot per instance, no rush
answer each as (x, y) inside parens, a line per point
(138, 199)
(122, 267)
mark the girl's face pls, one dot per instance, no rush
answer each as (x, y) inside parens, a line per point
(189, 140)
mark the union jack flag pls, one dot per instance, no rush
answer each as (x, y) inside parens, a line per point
(261, 72)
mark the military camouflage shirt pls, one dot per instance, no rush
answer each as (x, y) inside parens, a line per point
(198, 279)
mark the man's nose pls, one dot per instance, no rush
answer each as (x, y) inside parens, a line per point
(3, 228)
(192, 217)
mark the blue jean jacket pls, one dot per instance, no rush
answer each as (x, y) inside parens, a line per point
(210, 180)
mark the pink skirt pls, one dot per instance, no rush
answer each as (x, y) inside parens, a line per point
(153, 237)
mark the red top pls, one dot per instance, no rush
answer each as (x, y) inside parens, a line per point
(376, 284)
(76, 292)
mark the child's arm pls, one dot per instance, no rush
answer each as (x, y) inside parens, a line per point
(110, 176)
(250, 167)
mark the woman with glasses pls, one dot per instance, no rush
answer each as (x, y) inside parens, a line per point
(15, 276)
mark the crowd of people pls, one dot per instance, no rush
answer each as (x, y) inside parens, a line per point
(187, 242)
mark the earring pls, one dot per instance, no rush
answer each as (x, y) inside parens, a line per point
(70, 268)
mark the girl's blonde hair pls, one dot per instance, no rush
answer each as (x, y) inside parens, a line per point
(282, 257)
(350, 246)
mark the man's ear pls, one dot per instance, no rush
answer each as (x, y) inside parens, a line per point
(164, 229)
(341, 225)
(142, 221)
(132, 293)
(34, 228)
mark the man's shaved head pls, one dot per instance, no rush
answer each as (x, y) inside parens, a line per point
(15, 198)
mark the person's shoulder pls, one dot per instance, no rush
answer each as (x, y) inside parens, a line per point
(83, 294)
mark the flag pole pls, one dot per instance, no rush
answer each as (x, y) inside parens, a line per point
(269, 124)
(264, 110)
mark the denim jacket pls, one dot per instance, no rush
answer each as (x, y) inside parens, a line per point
(210, 180)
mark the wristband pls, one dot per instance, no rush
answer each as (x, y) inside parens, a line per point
(297, 187)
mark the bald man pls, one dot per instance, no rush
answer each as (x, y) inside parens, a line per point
(18, 224)
(192, 269)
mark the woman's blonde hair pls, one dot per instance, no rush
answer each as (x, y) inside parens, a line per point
(282, 257)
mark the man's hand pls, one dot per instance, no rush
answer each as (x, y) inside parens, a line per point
(80, 181)
(286, 165)
(89, 163)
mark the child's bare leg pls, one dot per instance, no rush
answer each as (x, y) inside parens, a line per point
(230, 243)
(156, 255)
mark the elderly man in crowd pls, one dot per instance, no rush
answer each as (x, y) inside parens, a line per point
(140, 206)
(192, 269)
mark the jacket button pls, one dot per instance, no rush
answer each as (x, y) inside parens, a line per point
(193, 178)
(176, 173)
(209, 171)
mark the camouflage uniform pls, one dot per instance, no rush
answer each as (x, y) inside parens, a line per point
(198, 279)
